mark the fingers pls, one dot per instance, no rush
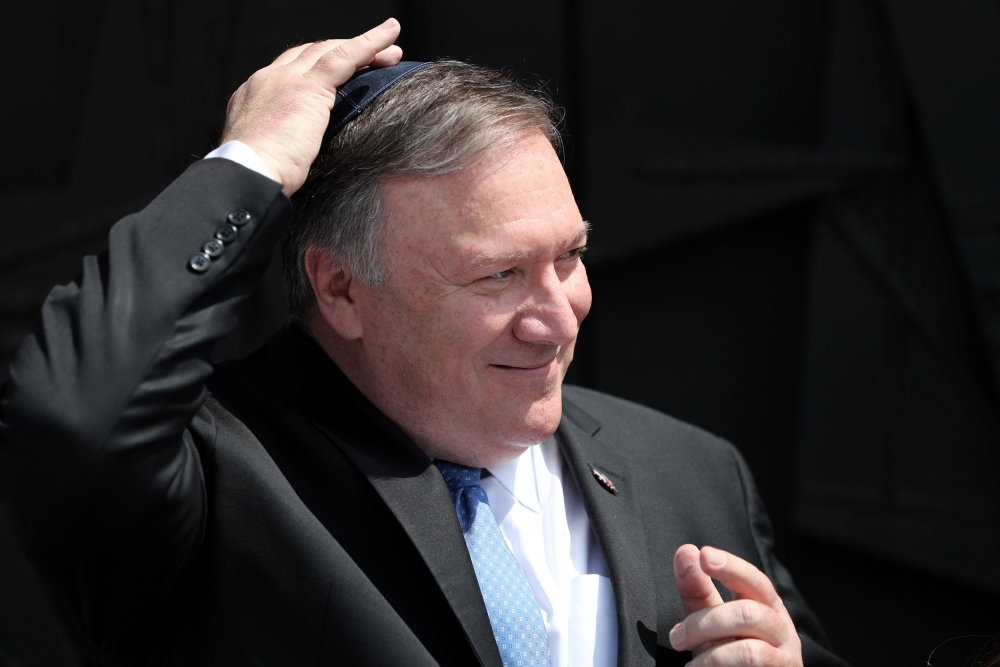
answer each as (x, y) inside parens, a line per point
(374, 48)
(694, 586)
(388, 57)
(335, 63)
(754, 629)
(739, 576)
(745, 653)
(737, 619)
(291, 54)
(308, 56)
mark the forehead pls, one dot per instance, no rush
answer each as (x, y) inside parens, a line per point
(516, 200)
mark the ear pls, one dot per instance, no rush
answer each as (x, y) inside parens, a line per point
(332, 284)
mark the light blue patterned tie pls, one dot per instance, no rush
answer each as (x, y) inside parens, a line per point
(510, 603)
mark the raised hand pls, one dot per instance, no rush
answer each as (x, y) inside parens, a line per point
(282, 111)
(752, 630)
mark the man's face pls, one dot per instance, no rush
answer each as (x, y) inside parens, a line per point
(466, 344)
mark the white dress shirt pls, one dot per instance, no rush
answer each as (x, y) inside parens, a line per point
(241, 154)
(542, 518)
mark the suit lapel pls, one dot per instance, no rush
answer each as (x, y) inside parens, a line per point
(411, 487)
(418, 497)
(618, 527)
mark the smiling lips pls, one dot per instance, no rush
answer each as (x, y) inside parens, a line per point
(541, 369)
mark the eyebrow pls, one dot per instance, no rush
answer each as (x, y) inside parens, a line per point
(491, 258)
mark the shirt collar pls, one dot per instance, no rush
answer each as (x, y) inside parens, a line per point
(523, 477)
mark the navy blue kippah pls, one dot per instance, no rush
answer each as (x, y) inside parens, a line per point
(362, 89)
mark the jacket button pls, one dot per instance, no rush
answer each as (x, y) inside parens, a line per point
(199, 263)
(226, 233)
(239, 217)
(213, 248)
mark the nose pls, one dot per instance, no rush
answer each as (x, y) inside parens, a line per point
(547, 317)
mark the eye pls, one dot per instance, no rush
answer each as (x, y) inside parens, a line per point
(501, 275)
(575, 253)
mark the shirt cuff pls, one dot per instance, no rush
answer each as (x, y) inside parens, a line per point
(241, 154)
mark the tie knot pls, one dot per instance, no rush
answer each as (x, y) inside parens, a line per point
(458, 476)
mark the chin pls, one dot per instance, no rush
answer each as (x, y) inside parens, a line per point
(535, 422)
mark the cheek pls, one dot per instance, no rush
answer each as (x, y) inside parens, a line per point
(475, 325)
(444, 341)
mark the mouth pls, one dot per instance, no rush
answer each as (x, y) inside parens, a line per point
(528, 370)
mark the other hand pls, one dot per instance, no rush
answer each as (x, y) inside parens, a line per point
(282, 111)
(752, 630)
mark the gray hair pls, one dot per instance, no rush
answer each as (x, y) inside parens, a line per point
(439, 120)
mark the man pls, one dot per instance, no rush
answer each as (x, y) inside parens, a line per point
(328, 501)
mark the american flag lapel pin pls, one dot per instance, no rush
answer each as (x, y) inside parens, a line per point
(603, 479)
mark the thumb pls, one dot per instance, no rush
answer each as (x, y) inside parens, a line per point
(694, 586)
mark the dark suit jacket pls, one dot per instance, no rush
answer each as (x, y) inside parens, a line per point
(281, 519)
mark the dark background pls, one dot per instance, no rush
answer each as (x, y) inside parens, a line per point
(796, 211)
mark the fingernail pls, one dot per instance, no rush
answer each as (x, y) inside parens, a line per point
(716, 558)
(390, 24)
(677, 635)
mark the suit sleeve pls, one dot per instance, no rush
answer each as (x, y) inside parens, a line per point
(816, 651)
(97, 459)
